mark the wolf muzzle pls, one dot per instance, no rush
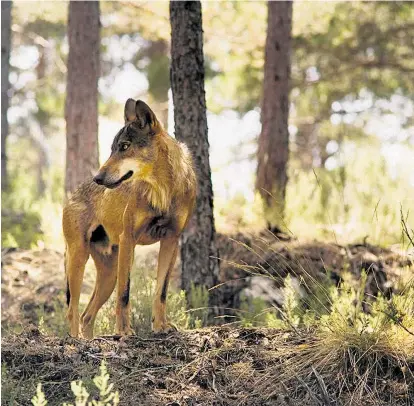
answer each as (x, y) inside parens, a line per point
(102, 179)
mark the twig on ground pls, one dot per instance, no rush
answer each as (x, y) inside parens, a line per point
(322, 387)
(286, 397)
(398, 322)
(405, 228)
(311, 394)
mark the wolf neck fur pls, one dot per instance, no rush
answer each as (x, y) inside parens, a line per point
(161, 188)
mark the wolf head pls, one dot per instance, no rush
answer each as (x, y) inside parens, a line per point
(134, 149)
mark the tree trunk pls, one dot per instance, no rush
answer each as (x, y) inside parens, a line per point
(158, 78)
(5, 63)
(273, 152)
(81, 108)
(198, 249)
(39, 141)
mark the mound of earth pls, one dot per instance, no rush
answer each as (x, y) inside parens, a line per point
(251, 265)
(216, 366)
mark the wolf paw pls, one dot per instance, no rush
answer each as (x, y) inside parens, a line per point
(163, 328)
(127, 331)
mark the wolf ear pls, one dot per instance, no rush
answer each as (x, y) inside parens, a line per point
(144, 115)
(129, 110)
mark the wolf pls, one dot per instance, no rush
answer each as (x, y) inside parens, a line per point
(144, 193)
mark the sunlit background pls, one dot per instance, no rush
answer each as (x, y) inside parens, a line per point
(351, 170)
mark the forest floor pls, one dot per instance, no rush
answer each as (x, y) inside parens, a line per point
(223, 365)
(211, 366)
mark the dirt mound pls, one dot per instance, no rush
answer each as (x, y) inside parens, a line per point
(218, 366)
(256, 265)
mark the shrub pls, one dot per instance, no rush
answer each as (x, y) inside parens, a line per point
(107, 395)
(198, 306)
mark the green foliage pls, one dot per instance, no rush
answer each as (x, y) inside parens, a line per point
(341, 203)
(255, 312)
(141, 304)
(177, 311)
(28, 219)
(20, 221)
(384, 316)
(359, 196)
(318, 302)
(296, 310)
(337, 312)
(346, 50)
(198, 306)
(234, 39)
(291, 304)
(107, 395)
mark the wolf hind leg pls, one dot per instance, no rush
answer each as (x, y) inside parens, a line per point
(106, 273)
(76, 256)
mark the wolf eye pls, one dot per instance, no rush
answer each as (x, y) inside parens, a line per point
(124, 146)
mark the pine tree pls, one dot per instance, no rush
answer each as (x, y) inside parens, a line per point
(273, 152)
(198, 249)
(81, 108)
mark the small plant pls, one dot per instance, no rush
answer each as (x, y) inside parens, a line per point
(52, 321)
(254, 312)
(42, 326)
(177, 309)
(198, 306)
(291, 309)
(39, 399)
(107, 395)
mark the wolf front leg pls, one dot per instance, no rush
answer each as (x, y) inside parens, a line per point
(125, 261)
(166, 260)
(76, 257)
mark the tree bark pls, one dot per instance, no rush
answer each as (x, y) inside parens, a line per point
(6, 7)
(198, 249)
(273, 151)
(81, 108)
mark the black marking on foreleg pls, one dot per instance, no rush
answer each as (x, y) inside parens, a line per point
(67, 292)
(125, 295)
(165, 286)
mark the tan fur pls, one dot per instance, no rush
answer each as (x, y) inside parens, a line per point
(153, 205)
(171, 177)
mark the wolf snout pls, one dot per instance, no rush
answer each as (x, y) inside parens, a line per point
(100, 178)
